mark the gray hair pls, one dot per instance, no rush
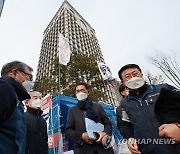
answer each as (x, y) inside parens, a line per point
(8, 67)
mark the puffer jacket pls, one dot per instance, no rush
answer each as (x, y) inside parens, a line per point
(140, 109)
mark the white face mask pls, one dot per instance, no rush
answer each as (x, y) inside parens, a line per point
(135, 83)
(28, 85)
(36, 103)
(81, 96)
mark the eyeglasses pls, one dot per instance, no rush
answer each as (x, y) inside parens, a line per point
(30, 75)
(128, 76)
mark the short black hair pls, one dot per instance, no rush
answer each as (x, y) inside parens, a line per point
(126, 67)
(121, 88)
(8, 67)
(84, 84)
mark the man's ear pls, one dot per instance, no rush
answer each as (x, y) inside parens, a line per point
(26, 102)
(12, 73)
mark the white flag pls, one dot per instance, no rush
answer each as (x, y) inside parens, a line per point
(105, 71)
(64, 50)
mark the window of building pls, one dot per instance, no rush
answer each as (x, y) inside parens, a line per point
(71, 11)
(83, 26)
(62, 10)
(56, 18)
(92, 33)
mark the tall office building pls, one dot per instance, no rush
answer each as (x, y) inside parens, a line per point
(82, 38)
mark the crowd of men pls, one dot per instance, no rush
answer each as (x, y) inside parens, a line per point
(146, 112)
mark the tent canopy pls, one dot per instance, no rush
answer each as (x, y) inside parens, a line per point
(66, 102)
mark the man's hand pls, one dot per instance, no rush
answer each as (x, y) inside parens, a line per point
(101, 136)
(170, 130)
(133, 147)
(86, 138)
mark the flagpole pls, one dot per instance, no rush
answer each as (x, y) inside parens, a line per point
(52, 126)
(59, 129)
(59, 67)
(64, 58)
(59, 92)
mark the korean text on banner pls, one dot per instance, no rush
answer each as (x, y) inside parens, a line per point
(105, 71)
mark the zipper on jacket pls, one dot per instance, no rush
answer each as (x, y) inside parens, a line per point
(141, 98)
(146, 102)
(140, 102)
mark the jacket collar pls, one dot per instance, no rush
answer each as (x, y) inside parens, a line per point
(36, 112)
(146, 89)
(21, 92)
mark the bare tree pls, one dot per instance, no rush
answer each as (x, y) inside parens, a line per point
(154, 79)
(168, 65)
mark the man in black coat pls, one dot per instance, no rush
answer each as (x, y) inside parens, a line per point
(167, 107)
(36, 127)
(75, 126)
(122, 117)
(139, 105)
(16, 77)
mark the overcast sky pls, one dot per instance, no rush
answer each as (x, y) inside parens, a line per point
(127, 30)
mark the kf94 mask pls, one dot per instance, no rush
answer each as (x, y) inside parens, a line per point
(135, 83)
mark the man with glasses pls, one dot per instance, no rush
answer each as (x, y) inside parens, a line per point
(139, 105)
(75, 126)
(14, 74)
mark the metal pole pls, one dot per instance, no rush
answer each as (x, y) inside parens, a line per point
(52, 127)
(59, 92)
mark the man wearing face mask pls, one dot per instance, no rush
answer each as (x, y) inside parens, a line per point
(12, 93)
(75, 126)
(139, 105)
(122, 116)
(36, 127)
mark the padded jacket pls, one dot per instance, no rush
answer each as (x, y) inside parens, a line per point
(140, 109)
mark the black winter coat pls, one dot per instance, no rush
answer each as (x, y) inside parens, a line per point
(75, 127)
(168, 106)
(36, 132)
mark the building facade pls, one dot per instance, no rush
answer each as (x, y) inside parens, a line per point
(81, 37)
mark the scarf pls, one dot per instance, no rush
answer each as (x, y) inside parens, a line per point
(87, 105)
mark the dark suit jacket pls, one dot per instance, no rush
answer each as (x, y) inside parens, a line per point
(75, 127)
